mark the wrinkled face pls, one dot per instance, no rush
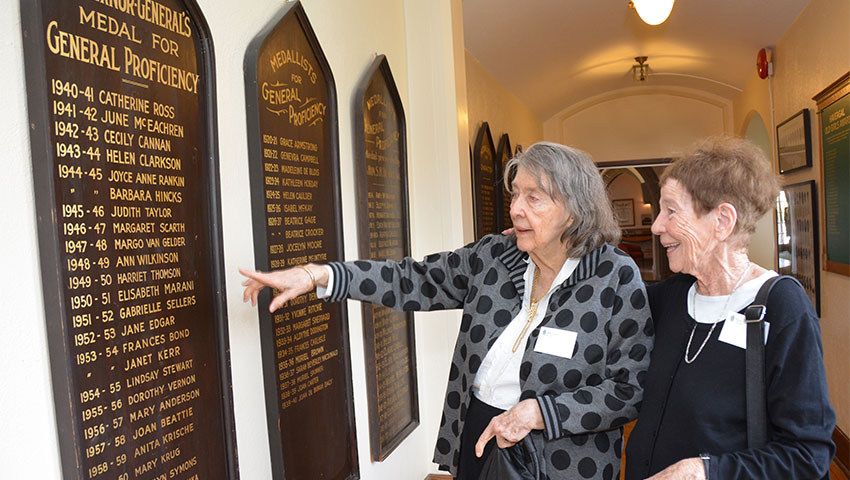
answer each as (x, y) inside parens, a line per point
(688, 238)
(539, 220)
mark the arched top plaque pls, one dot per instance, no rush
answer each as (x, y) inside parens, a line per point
(380, 139)
(293, 161)
(486, 190)
(504, 154)
(125, 169)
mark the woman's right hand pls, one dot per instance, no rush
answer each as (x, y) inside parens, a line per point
(687, 469)
(291, 283)
(511, 426)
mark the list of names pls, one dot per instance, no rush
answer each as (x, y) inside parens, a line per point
(124, 96)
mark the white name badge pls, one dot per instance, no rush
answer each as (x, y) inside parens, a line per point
(553, 341)
(734, 330)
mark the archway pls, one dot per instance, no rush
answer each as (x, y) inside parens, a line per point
(763, 243)
(633, 186)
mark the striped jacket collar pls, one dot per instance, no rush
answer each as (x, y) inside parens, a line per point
(515, 260)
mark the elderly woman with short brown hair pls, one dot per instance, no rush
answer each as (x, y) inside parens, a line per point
(555, 334)
(693, 422)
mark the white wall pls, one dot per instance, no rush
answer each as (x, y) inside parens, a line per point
(762, 246)
(419, 40)
(639, 123)
(489, 101)
(27, 425)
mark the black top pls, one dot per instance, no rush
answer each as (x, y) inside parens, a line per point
(701, 407)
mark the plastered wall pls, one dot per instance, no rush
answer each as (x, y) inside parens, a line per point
(489, 101)
(418, 39)
(813, 52)
(641, 122)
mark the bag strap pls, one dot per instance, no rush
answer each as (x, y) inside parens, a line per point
(528, 443)
(755, 387)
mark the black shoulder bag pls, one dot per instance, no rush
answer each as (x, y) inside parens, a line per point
(757, 435)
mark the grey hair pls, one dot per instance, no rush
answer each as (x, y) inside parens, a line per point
(572, 179)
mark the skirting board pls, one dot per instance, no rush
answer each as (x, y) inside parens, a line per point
(842, 450)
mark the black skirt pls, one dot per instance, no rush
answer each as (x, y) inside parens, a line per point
(478, 416)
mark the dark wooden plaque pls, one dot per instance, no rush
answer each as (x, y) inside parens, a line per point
(487, 199)
(294, 172)
(125, 169)
(504, 154)
(380, 137)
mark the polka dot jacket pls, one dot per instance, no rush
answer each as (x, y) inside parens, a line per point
(585, 399)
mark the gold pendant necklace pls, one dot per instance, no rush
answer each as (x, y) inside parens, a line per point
(531, 309)
(694, 308)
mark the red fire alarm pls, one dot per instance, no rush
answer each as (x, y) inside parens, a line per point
(763, 65)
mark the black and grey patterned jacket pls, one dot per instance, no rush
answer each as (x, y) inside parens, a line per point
(584, 400)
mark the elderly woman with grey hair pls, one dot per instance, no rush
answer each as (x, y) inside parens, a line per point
(555, 335)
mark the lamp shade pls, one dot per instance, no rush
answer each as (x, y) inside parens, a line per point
(653, 12)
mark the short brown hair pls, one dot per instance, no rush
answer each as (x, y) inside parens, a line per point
(730, 170)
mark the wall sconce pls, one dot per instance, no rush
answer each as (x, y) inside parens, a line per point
(640, 70)
(653, 12)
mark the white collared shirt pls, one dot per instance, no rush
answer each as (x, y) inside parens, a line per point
(497, 380)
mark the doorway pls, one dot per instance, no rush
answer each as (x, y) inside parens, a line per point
(633, 189)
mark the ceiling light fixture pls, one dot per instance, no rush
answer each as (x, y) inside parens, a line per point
(640, 70)
(653, 12)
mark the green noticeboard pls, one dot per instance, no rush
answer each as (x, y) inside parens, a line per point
(835, 142)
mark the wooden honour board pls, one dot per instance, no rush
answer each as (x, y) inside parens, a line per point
(384, 230)
(125, 169)
(486, 191)
(294, 174)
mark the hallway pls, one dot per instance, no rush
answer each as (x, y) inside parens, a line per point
(155, 148)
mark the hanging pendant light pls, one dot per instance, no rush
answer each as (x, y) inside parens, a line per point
(653, 12)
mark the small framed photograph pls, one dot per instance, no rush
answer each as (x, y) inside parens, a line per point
(797, 237)
(794, 142)
(624, 211)
(646, 219)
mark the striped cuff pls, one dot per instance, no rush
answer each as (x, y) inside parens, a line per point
(342, 280)
(549, 411)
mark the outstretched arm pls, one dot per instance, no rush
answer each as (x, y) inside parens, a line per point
(289, 283)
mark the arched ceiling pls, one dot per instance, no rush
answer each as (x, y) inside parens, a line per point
(553, 54)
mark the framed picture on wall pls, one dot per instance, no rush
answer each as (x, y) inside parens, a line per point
(624, 211)
(797, 246)
(794, 142)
